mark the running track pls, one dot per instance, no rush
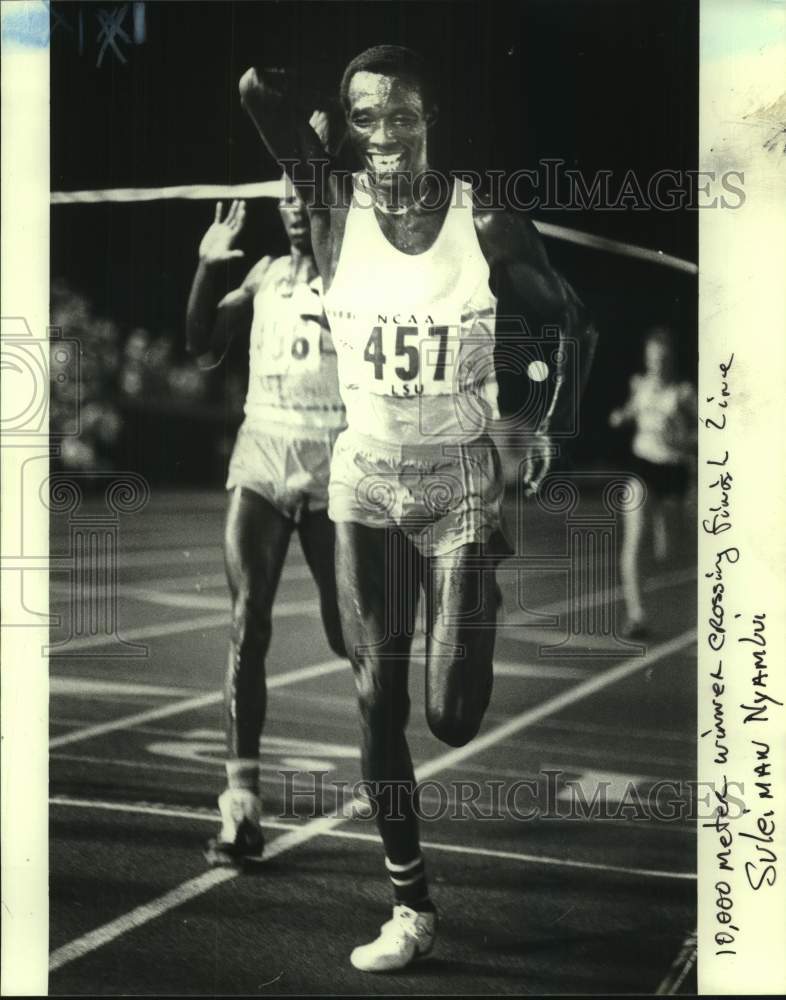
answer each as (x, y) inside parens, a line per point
(549, 905)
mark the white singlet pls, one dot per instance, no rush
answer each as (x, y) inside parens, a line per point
(292, 377)
(414, 333)
(664, 415)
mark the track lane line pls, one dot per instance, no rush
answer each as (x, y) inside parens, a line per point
(208, 773)
(138, 917)
(282, 609)
(273, 780)
(317, 827)
(516, 616)
(89, 687)
(680, 968)
(287, 609)
(191, 704)
(213, 602)
(194, 887)
(160, 629)
(559, 701)
(172, 812)
(193, 583)
(135, 558)
(71, 687)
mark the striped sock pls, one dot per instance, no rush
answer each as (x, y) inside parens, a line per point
(243, 773)
(409, 884)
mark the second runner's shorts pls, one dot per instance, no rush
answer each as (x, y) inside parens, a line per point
(288, 466)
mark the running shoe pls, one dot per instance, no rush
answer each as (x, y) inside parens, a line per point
(240, 838)
(408, 935)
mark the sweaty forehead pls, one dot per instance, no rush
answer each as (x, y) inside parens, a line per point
(368, 89)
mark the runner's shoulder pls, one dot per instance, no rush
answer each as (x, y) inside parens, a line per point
(259, 274)
(504, 232)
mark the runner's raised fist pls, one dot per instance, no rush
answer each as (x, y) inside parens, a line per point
(321, 124)
(261, 90)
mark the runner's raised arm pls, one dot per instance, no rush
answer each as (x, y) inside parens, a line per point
(288, 135)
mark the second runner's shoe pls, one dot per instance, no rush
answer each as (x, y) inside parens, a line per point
(240, 838)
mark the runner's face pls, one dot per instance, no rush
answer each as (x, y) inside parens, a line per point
(295, 218)
(387, 124)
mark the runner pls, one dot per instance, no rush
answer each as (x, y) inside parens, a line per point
(416, 485)
(278, 476)
(662, 411)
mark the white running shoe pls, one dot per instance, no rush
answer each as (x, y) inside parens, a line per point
(240, 837)
(408, 935)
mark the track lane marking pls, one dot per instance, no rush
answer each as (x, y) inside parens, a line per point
(140, 558)
(184, 583)
(188, 890)
(317, 827)
(662, 581)
(536, 671)
(80, 687)
(282, 609)
(554, 704)
(639, 733)
(680, 968)
(71, 686)
(535, 633)
(506, 628)
(208, 772)
(158, 630)
(371, 838)
(268, 779)
(137, 917)
(190, 704)
(84, 687)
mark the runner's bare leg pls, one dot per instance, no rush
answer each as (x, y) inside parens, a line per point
(318, 541)
(378, 597)
(461, 611)
(255, 546)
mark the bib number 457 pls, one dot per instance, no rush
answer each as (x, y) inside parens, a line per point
(408, 343)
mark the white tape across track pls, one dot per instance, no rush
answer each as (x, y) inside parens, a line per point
(274, 189)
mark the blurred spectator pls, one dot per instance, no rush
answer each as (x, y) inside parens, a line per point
(150, 373)
(83, 406)
(116, 382)
(132, 375)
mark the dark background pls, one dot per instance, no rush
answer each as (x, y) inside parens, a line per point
(602, 84)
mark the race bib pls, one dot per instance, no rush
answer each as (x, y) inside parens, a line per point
(409, 359)
(287, 349)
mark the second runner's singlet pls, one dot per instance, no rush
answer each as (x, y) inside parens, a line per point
(292, 378)
(414, 333)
